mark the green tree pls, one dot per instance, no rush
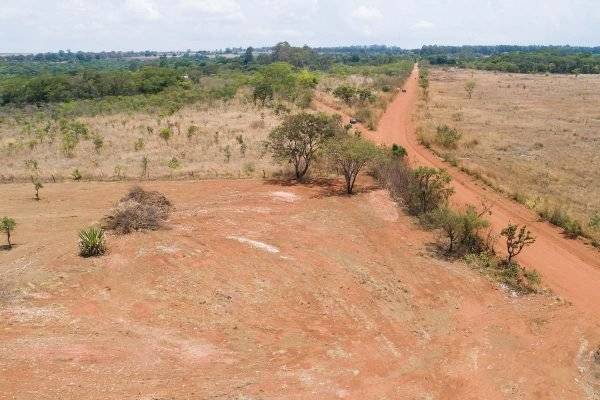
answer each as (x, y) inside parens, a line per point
(345, 93)
(428, 189)
(450, 223)
(350, 154)
(7, 225)
(275, 79)
(299, 137)
(248, 56)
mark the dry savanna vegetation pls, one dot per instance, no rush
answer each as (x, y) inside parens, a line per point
(363, 92)
(534, 137)
(200, 140)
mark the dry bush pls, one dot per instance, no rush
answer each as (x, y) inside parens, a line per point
(138, 210)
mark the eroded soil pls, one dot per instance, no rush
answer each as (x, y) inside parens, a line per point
(266, 291)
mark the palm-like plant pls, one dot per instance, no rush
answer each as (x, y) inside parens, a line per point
(91, 242)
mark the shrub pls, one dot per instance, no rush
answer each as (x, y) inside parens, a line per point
(366, 116)
(98, 142)
(511, 275)
(138, 210)
(7, 225)
(470, 87)
(447, 137)
(138, 144)
(345, 93)
(76, 175)
(398, 151)
(461, 228)
(516, 240)
(595, 221)
(165, 134)
(91, 242)
(37, 185)
(428, 190)
(192, 131)
(422, 190)
(559, 217)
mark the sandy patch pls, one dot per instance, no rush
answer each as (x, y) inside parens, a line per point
(383, 206)
(287, 197)
(256, 244)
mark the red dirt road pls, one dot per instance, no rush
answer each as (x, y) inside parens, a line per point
(568, 267)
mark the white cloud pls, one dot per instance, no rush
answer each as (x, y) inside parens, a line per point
(213, 7)
(423, 24)
(366, 13)
(145, 9)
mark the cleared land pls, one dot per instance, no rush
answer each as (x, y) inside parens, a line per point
(264, 291)
(536, 137)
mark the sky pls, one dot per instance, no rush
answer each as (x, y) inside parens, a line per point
(96, 25)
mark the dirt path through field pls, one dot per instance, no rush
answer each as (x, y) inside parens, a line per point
(568, 267)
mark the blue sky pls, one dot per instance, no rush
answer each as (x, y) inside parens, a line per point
(93, 25)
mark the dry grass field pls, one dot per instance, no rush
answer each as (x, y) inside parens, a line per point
(223, 140)
(536, 137)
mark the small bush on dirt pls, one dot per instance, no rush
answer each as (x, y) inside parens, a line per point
(138, 210)
(421, 190)
(516, 240)
(448, 137)
(470, 87)
(460, 228)
(91, 242)
(7, 225)
(76, 175)
(37, 185)
(398, 151)
(428, 190)
(512, 276)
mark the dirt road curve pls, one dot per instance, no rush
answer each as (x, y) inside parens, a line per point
(569, 267)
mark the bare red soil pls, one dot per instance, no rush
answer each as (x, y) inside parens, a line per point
(265, 291)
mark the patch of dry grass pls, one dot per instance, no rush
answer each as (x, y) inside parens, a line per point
(223, 140)
(535, 137)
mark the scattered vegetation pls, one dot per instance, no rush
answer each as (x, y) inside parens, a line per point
(425, 192)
